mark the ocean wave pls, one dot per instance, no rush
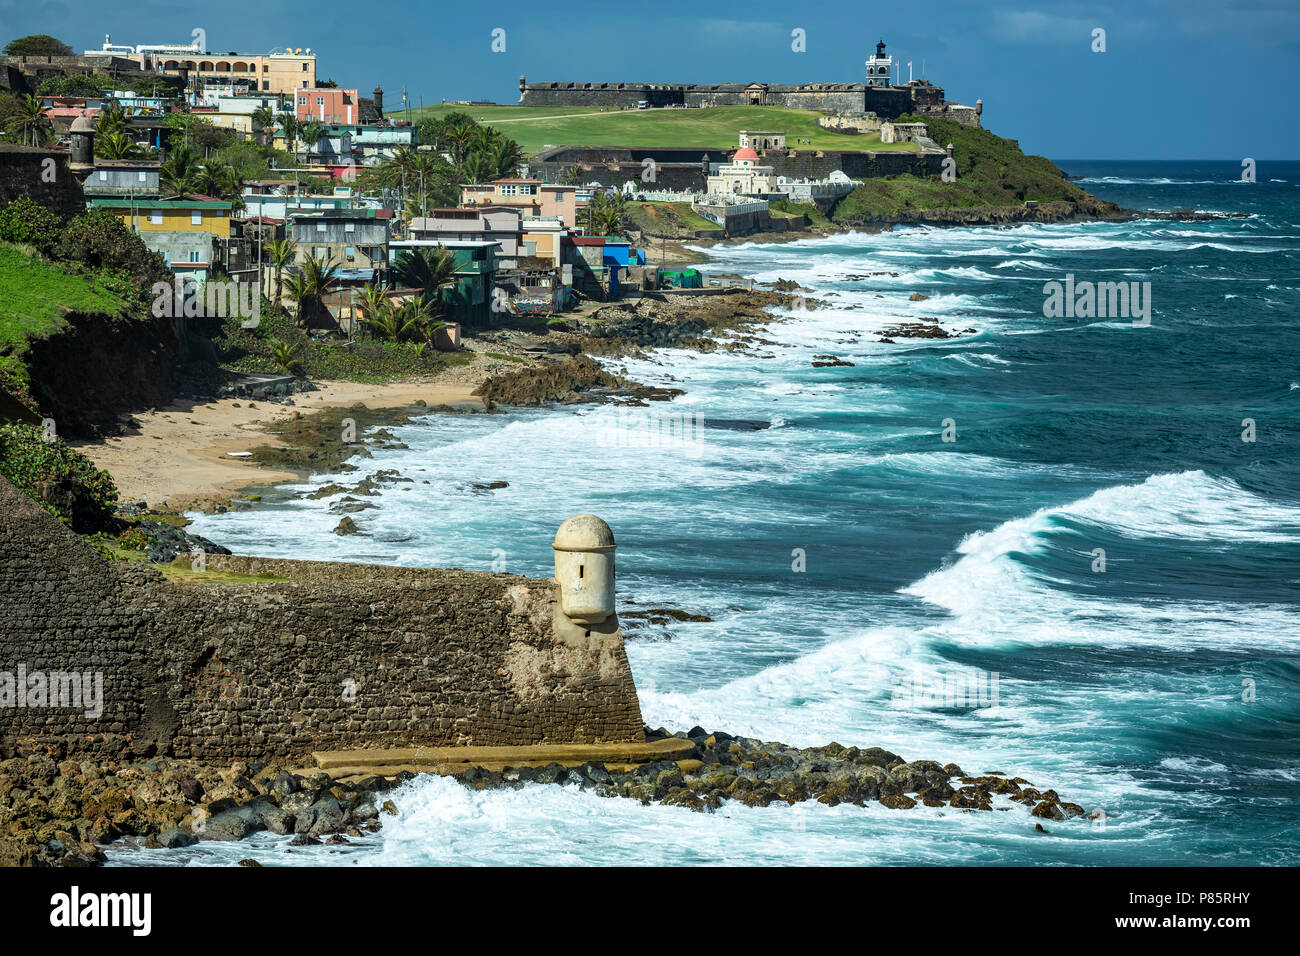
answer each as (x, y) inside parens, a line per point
(992, 573)
(1025, 264)
(1153, 181)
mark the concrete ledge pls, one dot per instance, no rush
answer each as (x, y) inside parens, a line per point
(341, 763)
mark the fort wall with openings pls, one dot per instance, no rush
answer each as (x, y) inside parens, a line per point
(254, 658)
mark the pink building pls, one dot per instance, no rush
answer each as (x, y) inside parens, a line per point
(327, 105)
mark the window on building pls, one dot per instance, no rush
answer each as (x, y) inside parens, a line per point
(302, 101)
(320, 227)
(194, 256)
(508, 190)
(349, 227)
(144, 177)
(155, 217)
(304, 66)
(266, 84)
(103, 175)
(196, 217)
(350, 252)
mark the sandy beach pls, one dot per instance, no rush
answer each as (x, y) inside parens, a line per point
(178, 457)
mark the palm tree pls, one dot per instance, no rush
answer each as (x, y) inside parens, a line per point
(180, 171)
(263, 119)
(505, 156)
(371, 300)
(478, 168)
(29, 118)
(412, 319)
(459, 139)
(308, 287)
(285, 357)
(116, 146)
(605, 214)
(110, 120)
(386, 322)
(289, 123)
(427, 168)
(310, 134)
(281, 253)
(430, 269)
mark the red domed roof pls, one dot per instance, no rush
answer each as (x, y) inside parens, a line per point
(744, 153)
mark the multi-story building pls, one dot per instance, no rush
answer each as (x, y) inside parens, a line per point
(500, 224)
(178, 214)
(375, 140)
(191, 233)
(280, 71)
(328, 104)
(354, 239)
(285, 71)
(532, 195)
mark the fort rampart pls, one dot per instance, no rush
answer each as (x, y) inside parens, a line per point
(258, 658)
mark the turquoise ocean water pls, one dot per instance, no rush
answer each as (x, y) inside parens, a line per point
(1164, 690)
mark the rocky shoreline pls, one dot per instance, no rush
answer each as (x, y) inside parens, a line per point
(65, 813)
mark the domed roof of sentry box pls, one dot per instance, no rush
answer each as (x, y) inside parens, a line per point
(744, 153)
(82, 124)
(584, 533)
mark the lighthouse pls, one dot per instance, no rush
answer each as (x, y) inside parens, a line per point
(878, 67)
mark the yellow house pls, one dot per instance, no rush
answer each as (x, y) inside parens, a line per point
(180, 214)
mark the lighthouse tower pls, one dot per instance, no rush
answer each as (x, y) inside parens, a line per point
(878, 67)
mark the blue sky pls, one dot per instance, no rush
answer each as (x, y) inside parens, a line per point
(1191, 79)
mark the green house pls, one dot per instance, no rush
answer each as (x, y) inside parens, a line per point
(469, 299)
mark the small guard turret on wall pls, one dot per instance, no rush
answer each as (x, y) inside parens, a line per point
(584, 569)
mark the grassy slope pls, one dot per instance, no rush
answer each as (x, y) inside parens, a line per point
(34, 295)
(991, 171)
(716, 127)
(667, 218)
(787, 208)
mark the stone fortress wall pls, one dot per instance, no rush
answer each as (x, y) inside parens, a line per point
(684, 168)
(330, 656)
(846, 98)
(42, 175)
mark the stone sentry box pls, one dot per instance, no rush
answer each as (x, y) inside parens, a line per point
(584, 570)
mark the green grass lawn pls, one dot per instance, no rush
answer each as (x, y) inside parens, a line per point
(34, 295)
(714, 127)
